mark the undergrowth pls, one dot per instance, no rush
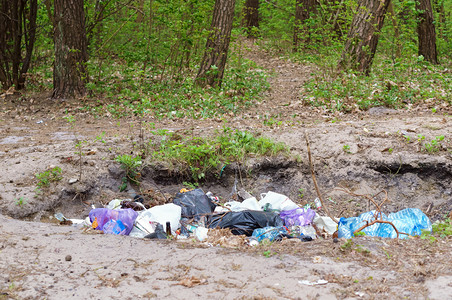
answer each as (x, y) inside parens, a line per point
(197, 156)
(398, 84)
(128, 93)
(46, 177)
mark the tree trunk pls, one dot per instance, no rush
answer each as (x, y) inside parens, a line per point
(251, 17)
(140, 14)
(303, 9)
(214, 61)
(17, 37)
(69, 72)
(362, 39)
(48, 4)
(29, 40)
(396, 30)
(426, 31)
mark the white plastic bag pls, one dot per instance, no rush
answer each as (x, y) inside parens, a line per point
(325, 223)
(138, 233)
(277, 201)
(160, 214)
(201, 233)
(248, 204)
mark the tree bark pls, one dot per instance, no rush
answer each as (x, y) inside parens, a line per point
(303, 10)
(17, 37)
(217, 45)
(362, 39)
(396, 30)
(48, 4)
(426, 31)
(140, 14)
(69, 72)
(251, 17)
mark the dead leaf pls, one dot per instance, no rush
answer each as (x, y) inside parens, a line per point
(192, 281)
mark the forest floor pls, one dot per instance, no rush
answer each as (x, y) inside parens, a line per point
(364, 152)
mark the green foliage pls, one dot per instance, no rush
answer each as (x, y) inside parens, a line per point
(301, 193)
(131, 165)
(443, 229)
(191, 185)
(394, 85)
(198, 156)
(361, 233)
(434, 145)
(346, 148)
(21, 202)
(46, 177)
(268, 253)
(146, 64)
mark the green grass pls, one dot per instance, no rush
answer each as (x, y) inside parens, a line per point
(45, 178)
(127, 92)
(443, 229)
(434, 145)
(132, 166)
(397, 85)
(197, 156)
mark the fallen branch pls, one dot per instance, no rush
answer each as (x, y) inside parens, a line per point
(378, 206)
(315, 180)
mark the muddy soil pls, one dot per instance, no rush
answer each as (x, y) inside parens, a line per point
(362, 152)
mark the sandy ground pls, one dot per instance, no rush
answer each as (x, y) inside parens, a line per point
(45, 261)
(49, 261)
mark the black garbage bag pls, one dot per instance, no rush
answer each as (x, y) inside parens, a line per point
(195, 204)
(244, 222)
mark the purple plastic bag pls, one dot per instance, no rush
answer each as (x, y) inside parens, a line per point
(299, 216)
(111, 218)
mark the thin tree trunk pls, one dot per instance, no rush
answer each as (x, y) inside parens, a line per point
(140, 15)
(30, 38)
(426, 31)
(396, 30)
(217, 45)
(17, 37)
(251, 17)
(48, 4)
(69, 72)
(362, 39)
(303, 9)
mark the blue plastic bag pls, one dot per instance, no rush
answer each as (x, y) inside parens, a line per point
(106, 219)
(299, 216)
(410, 221)
(271, 233)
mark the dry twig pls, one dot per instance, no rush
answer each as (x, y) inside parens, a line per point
(315, 180)
(378, 215)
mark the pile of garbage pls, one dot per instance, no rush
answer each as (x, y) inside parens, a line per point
(273, 218)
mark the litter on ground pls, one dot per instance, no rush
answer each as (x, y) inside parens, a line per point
(200, 216)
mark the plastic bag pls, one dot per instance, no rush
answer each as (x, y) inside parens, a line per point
(244, 222)
(325, 223)
(299, 216)
(194, 204)
(137, 233)
(410, 221)
(248, 204)
(306, 233)
(99, 217)
(277, 201)
(201, 233)
(160, 214)
(270, 233)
